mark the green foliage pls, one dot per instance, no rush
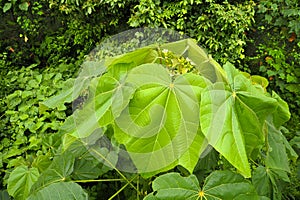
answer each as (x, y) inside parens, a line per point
(89, 6)
(282, 14)
(34, 61)
(144, 101)
(284, 73)
(23, 6)
(219, 27)
(38, 26)
(273, 52)
(42, 44)
(25, 137)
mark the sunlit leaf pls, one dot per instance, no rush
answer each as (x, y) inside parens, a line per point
(24, 6)
(259, 81)
(232, 117)
(160, 124)
(6, 7)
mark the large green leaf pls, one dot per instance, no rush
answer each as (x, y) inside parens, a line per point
(61, 190)
(21, 180)
(232, 116)
(218, 185)
(227, 185)
(161, 124)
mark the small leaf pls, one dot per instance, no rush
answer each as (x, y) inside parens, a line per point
(260, 80)
(24, 6)
(6, 7)
(20, 181)
(268, 18)
(62, 190)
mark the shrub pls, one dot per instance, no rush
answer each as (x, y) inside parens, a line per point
(218, 27)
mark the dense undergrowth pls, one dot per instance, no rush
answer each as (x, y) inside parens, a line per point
(44, 43)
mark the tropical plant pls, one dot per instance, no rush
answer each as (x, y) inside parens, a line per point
(162, 106)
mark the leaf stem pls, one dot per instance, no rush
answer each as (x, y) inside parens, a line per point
(101, 180)
(122, 175)
(122, 188)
